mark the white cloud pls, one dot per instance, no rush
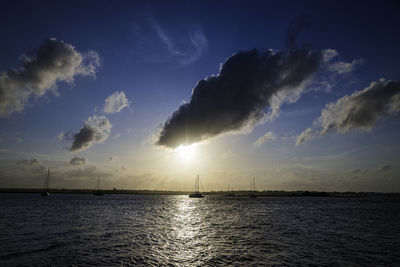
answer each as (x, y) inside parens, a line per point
(358, 111)
(116, 102)
(328, 54)
(304, 136)
(342, 67)
(53, 62)
(362, 109)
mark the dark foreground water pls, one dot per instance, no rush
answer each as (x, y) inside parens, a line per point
(131, 230)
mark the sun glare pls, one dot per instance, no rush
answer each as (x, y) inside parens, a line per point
(186, 153)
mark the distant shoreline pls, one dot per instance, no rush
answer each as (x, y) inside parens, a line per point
(240, 193)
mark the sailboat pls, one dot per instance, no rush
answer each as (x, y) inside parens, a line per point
(229, 192)
(98, 192)
(45, 192)
(253, 189)
(196, 193)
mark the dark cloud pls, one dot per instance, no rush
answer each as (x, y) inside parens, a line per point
(360, 110)
(81, 172)
(33, 165)
(95, 130)
(112, 158)
(54, 61)
(78, 161)
(28, 162)
(354, 171)
(247, 83)
(384, 168)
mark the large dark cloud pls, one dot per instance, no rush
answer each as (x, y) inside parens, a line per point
(360, 110)
(247, 83)
(54, 61)
(95, 130)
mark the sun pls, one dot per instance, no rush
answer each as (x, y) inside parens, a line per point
(186, 153)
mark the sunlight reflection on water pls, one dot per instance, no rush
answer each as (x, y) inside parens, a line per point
(187, 224)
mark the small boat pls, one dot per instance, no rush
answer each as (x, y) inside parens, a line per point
(196, 193)
(98, 192)
(45, 192)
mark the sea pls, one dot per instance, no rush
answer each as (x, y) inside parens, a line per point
(150, 230)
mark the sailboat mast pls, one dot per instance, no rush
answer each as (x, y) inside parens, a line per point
(47, 180)
(253, 185)
(98, 184)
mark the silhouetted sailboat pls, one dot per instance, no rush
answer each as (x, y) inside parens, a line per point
(253, 189)
(98, 192)
(45, 192)
(229, 193)
(196, 193)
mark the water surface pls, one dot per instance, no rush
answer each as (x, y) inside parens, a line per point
(138, 230)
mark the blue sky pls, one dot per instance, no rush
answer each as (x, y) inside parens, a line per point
(154, 53)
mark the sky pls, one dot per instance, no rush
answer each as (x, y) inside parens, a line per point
(299, 95)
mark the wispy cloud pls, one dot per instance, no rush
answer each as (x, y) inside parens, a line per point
(342, 67)
(268, 136)
(158, 43)
(305, 135)
(333, 71)
(339, 67)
